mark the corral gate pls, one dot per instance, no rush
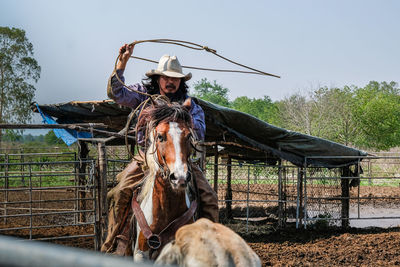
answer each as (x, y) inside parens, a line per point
(367, 194)
(48, 196)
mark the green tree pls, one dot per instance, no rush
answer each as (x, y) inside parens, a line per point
(18, 69)
(324, 112)
(51, 139)
(262, 108)
(12, 136)
(213, 93)
(296, 113)
(334, 119)
(377, 110)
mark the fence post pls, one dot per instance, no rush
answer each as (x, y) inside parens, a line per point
(248, 199)
(305, 193)
(83, 154)
(30, 204)
(76, 179)
(299, 208)
(22, 170)
(344, 183)
(369, 172)
(6, 187)
(103, 207)
(280, 196)
(228, 195)
(216, 170)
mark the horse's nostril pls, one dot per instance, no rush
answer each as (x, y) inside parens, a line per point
(172, 177)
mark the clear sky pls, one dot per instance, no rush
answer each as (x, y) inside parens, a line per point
(308, 43)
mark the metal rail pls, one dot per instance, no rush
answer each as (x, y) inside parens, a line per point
(25, 205)
(326, 194)
(17, 253)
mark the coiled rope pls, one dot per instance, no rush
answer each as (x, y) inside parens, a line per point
(194, 46)
(186, 44)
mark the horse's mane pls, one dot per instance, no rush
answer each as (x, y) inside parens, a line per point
(164, 112)
(149, 118)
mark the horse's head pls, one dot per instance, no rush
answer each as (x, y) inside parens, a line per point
(169, 136)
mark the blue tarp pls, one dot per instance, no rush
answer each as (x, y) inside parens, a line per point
(68, 136)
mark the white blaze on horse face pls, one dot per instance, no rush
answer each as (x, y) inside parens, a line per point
(180, 168)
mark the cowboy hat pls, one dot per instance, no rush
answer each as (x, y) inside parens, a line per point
(169, 66)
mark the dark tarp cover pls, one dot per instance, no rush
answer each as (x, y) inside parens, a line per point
(236, 133)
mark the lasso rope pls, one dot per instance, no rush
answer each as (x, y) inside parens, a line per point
(153, 98)
(190, 45)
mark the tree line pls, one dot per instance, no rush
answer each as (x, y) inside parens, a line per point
(365, 117)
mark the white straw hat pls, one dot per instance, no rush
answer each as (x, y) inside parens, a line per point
(169, 66)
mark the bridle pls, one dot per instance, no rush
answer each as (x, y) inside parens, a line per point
(163, 166)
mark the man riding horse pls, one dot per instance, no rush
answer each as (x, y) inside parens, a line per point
(167, 80)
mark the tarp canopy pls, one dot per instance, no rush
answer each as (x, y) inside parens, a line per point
(237, 134)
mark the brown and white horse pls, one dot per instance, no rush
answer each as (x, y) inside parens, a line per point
(164, 202)
(163, 197)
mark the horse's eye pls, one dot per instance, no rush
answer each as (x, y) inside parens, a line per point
(160, 138)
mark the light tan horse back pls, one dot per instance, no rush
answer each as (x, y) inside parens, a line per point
(205, 243)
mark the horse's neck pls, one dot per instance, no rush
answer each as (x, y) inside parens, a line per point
(159, 202)
(162, 204)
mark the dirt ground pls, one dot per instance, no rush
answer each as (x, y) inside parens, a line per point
(288, 247)
(355, 247)
(291, 247)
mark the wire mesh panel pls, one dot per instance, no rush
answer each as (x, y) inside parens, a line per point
(362, 195)
(255, 192)
(323, 196)
(375, 202)
(114, 166)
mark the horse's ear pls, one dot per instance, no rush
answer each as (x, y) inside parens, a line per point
(188, 103)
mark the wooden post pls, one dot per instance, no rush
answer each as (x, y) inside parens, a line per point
(103, 207)
(22, 170)
(6, 187)
(299, 211)
(216, 169)
(228, 194)
(80, 192)
(280, 195)
(344, 182)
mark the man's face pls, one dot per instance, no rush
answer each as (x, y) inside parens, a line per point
(168, 85)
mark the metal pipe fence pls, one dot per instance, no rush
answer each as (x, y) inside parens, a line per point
(55, 199)
(255, 192)
(18, 253)
(366, 195)
(40, 197)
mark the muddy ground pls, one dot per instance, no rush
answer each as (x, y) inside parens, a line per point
(291, 247)
(355, 247)
(288, 247)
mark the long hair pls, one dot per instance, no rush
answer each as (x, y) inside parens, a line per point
(152, 87)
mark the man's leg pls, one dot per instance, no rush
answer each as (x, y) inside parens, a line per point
(119, 198)
(208, 198)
